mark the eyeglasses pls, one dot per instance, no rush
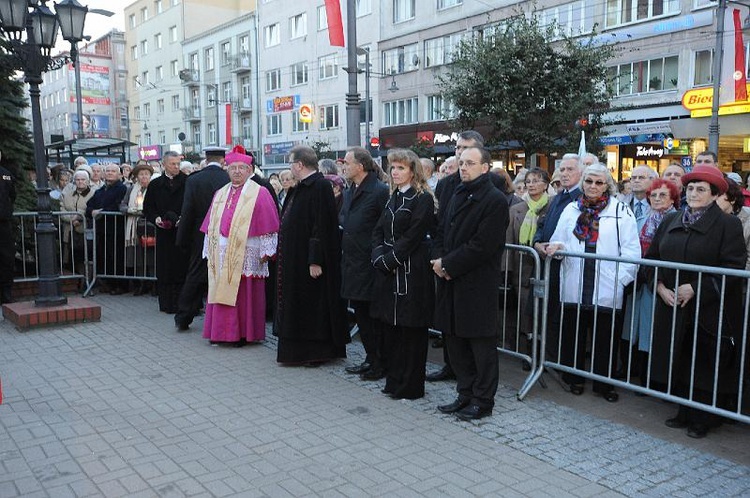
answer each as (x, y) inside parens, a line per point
(639, 177)
(658, 195)
(598, 183)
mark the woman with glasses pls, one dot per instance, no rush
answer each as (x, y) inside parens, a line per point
(663, 197)
(591, 290)
(521, 230)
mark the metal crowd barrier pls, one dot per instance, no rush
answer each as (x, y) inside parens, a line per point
(115, 255)
(72, 255)
(683, 378)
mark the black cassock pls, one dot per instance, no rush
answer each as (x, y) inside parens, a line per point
(164, 199)
(310, 317)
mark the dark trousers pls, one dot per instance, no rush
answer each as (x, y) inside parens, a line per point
(190, 301)
(169, 294)
(406, 349)
(7, 260)
(371, 335)
(573, 347)
(475, 364)
(553, 312)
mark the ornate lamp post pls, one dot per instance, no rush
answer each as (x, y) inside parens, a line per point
(40, 24)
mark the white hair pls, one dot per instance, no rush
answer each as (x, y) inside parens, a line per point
(599, 169)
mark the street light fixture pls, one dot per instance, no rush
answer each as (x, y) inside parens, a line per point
(33, 55)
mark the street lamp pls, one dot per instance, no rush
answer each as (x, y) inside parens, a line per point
(72, 17)
(40, 25)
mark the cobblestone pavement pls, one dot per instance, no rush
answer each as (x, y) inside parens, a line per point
(130, 407)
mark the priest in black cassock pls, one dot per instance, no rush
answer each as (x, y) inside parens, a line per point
(310, 315)
(162, 207)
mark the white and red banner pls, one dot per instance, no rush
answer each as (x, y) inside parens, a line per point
(733, 64)
(335, 23)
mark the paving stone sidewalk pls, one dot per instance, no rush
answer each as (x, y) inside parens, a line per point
(129, 407)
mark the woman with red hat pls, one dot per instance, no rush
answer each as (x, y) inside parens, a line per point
(701, 234)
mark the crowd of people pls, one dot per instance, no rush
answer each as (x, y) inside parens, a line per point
(422, 247)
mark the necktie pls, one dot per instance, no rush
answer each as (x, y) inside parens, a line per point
(638, 209)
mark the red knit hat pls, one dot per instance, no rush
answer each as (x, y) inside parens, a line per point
(710, 174)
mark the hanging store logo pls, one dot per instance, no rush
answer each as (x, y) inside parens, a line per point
(648, 151)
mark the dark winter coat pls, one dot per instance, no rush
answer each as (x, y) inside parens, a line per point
(404, 283)
(361, 210)
(200, 188)
(164, 200)
(714, 240)
(7, 194)
(470, 240)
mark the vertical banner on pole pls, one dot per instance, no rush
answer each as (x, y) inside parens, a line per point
(228, 124)
(335, 23)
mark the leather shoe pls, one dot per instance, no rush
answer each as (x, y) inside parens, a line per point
(358, 369)
(697, 431)
(474, 412)
(458, 404)
(373, 374)
(676, 423)
(182, 327)
(445, 373)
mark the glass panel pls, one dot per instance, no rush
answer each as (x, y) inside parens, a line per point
(670, 73)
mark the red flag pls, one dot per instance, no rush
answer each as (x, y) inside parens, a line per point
(740, 78)
(335, 23)
(733, 77)
(228, 124)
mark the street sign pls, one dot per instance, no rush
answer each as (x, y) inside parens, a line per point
(305, 113)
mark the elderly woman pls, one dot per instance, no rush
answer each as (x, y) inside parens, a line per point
(74, 201)
(663, 197)
(733, 202)
(404, 285)
(140, 235)
(287, 182)
(703, 235)
(591, 291)
(521, 230)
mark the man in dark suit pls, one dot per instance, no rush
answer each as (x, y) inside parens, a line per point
(467, 253)
(364, 202)
(199, 191)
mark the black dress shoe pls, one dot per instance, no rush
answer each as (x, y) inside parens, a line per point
(697, 431)
(445, 373)
(611, 396)
(358, 369)
(474, 412)
(373, 374)
(181, 326)
(576, 389)
(676, 422)
(458, 404)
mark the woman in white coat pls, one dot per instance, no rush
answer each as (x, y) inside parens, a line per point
(591, 291)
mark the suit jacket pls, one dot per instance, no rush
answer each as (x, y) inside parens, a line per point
(199, 191)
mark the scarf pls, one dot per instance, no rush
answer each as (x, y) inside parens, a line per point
(587, 225)
(528, 225)
(690, 216)
(649, 227)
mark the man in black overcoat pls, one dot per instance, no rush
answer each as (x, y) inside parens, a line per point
(468, 251)
(310, 317)
(162, 207)
(200, 188)
(7, 237)
(364, 202)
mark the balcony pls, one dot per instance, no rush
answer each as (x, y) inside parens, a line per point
(192, 113)
(245, 105)
(190, 77)
(241, 63)
(246, 142)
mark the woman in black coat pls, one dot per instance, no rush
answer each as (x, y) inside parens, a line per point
(404, 286)
(702, 235)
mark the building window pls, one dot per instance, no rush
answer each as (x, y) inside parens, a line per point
(244, 43)
(136, 83)
(137, 112)
(134, 52)
(620, 12)
(226, 53)
(247, 128)
(329, 117)
(147, 139)
(703, 64)
(245, 88)
(298, 26)
(364, 7)
(328, 67)
(438, 109)
(299, 73)
(401, 59)
(173, 68)
(146, 110)
(226, 91)
(159, 73)
(132, 20)
(438, 51)
(195, 97)
(644, 76)
(160, 106)
(273, 124)
(446, 4)
(400, 112)
(175, 134)
(322, 18)
(212, 133)
(403, 10)
(145, 80)
(273, 80)
(697, 4)
(158, 6)
(157, 41)
(193, 59)
(175, 102)
(272, 35)
(173, 34)
(162, 137)
(363, 111)
(297, 125)
(211, 95)
(196, 134)
(209, 59)
(144, 14)
(144, 47)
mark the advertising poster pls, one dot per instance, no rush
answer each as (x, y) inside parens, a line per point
(94, 84)
(94, 125)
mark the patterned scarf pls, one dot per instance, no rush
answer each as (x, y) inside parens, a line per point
(587, 225)
(528, 225)
(690, 216)
(649, 227)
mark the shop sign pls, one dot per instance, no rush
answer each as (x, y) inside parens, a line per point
(723, 111)
(699, 101)
(682, 150)
(150, 152)
(649, 128)
(285, 103)
(305, 113)
(746, 144)
(648, 151)
(277, 148)
(617, 140)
